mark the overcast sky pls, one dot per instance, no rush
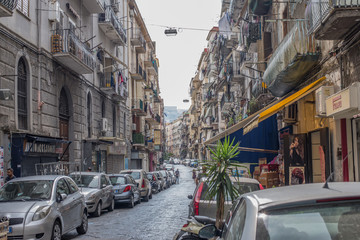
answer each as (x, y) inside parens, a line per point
(179, 55)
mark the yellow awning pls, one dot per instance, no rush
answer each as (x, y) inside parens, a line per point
(289, 100)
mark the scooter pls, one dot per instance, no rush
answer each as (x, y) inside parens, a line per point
(191, 229)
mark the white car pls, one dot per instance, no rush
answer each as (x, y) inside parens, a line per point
(169, 167)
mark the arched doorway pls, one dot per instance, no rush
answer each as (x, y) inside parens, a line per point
(64, 116)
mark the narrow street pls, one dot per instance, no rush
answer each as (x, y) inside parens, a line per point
(158, 219)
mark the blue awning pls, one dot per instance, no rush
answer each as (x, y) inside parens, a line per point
(263, 140)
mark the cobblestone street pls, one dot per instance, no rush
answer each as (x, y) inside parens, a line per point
(158, 219)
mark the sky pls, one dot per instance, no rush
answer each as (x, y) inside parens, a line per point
(179, 55)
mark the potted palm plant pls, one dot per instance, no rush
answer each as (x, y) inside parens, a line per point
(218, 178)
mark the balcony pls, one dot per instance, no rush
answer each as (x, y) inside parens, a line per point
(139, 43)
(138, 139)
(295, 56)
(110, 86)
(227, 101)
(7, 7)
(94, 6)
(150, 116)
(259, 7)
(151, 65)
(332, 19)
(139, 75)
(138, 107)
(112, 27)
(71, 52)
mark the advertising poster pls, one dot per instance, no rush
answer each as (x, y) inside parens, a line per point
(294, 158)
(296, 175)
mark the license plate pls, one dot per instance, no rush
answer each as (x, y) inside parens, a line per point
(10, 229)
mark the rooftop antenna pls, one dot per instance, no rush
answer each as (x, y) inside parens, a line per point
(326, 185)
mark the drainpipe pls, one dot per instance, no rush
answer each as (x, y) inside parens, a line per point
(40, 103)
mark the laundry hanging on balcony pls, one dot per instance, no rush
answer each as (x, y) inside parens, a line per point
(224, 25)
(292, 60)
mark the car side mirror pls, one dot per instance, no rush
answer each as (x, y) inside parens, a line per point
(60, 197)
(209, 231)
(190, 196)
(103, 186)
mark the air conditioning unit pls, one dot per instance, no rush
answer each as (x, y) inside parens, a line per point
(54, 11)
(104, 124)
(100, 68)
(134, 127)
(290, 114)
(320, 99)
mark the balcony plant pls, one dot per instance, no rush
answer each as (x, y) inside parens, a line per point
(218, 179)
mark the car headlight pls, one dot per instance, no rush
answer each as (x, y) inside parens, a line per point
(41, 213)
(92, 197)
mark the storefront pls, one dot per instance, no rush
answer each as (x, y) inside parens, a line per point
(344, 108)
(95, 155)
(116, 153)
(28, 150)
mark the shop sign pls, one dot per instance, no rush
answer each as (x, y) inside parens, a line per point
(346, 100)
(39, 147)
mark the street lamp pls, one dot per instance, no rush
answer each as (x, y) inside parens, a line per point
(170, 32)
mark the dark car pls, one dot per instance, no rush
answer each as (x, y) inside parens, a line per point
(166, 177)
(97, 189)
(306, 211)
(155, 182)
(125, 189)
(162, 180)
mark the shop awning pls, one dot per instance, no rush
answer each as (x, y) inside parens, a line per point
(252, 121)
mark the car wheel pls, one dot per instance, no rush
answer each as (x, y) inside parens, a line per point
(131, 203)
(56, 232)
(146, 198)
(189, 237)
(97, 212)
(112, 206)
(139, 199)
(82, 229)
(150, 197)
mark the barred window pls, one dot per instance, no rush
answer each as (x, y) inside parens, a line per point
(22, 95)
(23, 6)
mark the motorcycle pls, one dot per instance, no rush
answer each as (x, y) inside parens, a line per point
(190, 230)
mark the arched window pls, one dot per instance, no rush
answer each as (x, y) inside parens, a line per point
(114, 121)
(89, 114)
(22, 95)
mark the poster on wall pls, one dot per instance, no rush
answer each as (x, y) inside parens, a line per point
(296, 175)
(294, 158)
(2, 171)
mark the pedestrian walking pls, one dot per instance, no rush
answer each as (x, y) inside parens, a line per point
(10, 175)
(194, 175)
(177, 175)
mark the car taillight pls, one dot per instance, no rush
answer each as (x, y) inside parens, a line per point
(154, 178)
(261, 187)
(185, 225)
(127, 188)
(197, 198)
(143, 183)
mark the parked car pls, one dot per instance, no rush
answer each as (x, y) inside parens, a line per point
(194, 163)
(125, 189)
(143, 182)
(169, 167)
(161, 179)
(172, 177)
(166, 177)
(97, 189)
(307, 211)
(155, 182)
(201, 205)
(42, 207)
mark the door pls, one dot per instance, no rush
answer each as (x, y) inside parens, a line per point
(317, 173)
(66, 206)
(106, 191)
(64, 133)
(64, 116)
(76, 197)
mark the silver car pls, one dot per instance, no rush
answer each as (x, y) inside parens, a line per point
(307, 211)
(97, 189)
(43, 207)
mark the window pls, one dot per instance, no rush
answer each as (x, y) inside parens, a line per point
(22, 95)
(236, 228)
(103, 108)
(103, 181)
(89, 114)
(62, 188)
(23, 7)
(72, 185)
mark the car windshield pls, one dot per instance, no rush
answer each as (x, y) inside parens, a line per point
(117, 180)
(87, 181)
(246, 187)
(26, 191)
(322, 222)
(135, 175)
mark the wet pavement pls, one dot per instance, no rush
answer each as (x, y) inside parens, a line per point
(159, 219)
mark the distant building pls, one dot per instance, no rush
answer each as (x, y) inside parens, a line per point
(172, 113)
